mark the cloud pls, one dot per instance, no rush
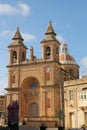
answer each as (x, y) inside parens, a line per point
(28, 37)
(6, 34)
(21, 9)
(10, 34)
(83, 66)
(24, 9)
(84, 62)
(60, 38)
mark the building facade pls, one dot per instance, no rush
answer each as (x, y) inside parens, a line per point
(2, 110)
(75, 92)
(38, 83)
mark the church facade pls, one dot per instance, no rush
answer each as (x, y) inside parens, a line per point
(38, 84)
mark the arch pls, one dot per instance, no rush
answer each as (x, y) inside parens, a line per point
(84, 89)
(23, 56)
(14, 56)
(48, 52)
(30, 81)
(29, 96)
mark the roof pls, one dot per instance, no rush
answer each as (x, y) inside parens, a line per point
(64, 56)
(17, 39)
(50, 33)
(17, 35)
(66, 59)
(50, 29)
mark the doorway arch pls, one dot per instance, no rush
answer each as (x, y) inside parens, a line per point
(29, 97)
(33, 109)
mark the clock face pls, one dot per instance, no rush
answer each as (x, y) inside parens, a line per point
(48, 69)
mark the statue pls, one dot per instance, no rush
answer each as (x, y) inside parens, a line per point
(13, 115)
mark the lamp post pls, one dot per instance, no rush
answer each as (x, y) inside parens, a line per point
(62, 103)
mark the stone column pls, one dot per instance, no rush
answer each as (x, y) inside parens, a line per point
(43, 52)
(10, 57)
(43, 103)
(52, 52)
(52, 103)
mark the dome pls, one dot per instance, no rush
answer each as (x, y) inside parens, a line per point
(66, 59)
(64, 56)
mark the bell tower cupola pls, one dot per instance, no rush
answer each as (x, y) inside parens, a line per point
(50, 45)
(17, 49)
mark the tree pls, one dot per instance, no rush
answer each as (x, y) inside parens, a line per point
(60, 115)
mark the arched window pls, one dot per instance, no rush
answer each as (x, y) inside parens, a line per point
(34, 84)
(14, 56)
(84, 89)
(71, 95)
(23, 56)
(48, 52)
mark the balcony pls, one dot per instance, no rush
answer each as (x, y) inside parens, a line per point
(82, 98)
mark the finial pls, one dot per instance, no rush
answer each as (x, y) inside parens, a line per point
(17, 28)
(50, 22)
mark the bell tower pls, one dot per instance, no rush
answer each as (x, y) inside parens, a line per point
(17, 50)
(50, 45)
(17, 56)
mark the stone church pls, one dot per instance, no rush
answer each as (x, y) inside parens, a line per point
(37, 84)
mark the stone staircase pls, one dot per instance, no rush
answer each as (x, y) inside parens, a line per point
(34, 128)
(28, 128)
